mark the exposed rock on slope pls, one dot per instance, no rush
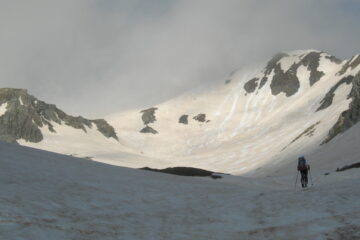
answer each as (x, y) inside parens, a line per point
(183, 119)
(201, 117)
(182, 171)
(286, 80)
(350, 64)
(148, 116)
(328, 99)
(347, 167)
(251, 85)
(351, 116)
(23, 116)
(148, 129)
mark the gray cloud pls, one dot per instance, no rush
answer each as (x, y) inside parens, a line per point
(96, 57)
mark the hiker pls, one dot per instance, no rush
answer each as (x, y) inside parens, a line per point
(303, 167)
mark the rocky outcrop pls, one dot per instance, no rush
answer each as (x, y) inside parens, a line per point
(312, 62)
(148, 129)
(350, 117)
(106, 129)
(350, 64)
(251, 85)
(334, 59)
(182, 171)
(184, 119)
(347, 167)
(148, 115)
(286, 81)
(270, 66)
(201, 117)
(25, 115)
(328, 99)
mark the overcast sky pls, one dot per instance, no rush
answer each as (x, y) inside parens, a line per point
(93, 57)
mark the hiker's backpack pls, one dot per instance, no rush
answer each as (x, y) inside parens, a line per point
(301, 163)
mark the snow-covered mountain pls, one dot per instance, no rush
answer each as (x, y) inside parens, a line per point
(298, 102)
(23, 117)
(27, 120)
(296, 105)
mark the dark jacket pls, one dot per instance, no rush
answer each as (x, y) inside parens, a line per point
(307, 167)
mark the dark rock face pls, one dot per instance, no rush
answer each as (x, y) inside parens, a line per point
(334, 59)
(184, 119)
(183, 171)
(106, 129)
(25, 115)
(200, 117)
(354, 165)
(148, 129)
(287, 81)
(251, 85)
(351, 64)
(349, 117)
(312, 62)
(272, 64)
(327, 100)
(148, 115)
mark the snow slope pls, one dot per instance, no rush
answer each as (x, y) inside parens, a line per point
(51, 196)
(260, 117)
(246, 129)
(327, 158)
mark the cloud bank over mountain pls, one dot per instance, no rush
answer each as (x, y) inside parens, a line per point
(111, 55)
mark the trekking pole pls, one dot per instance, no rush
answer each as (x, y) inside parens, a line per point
(312, 184)
(296, 179)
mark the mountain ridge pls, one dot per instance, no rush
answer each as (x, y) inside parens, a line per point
(298, 101)
(23, 115)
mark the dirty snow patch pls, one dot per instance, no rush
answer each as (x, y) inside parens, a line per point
(3, 108)
(21, 102)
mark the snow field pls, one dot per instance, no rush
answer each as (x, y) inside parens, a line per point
(50, 196)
